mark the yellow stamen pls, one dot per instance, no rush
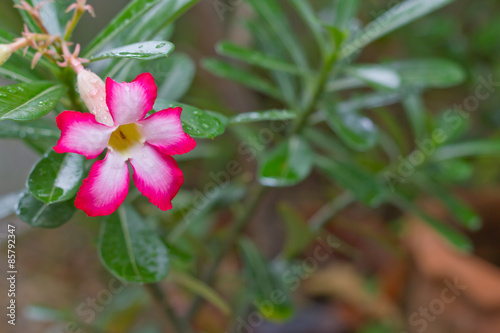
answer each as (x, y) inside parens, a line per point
(125, 138)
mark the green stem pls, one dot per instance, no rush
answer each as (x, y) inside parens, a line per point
(67, 77)
(159, 296)
(72, 24)
(322, 216)
(312, 99)
(236, 230)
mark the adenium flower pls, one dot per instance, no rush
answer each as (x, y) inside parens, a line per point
(147, 143)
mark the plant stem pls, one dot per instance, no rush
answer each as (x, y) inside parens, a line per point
(159, 296)
(312, 99)
(238, 227)
(72, 24)
(322, 216)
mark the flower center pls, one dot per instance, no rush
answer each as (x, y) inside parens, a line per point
(125, 138)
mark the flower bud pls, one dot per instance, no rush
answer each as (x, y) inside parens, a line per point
(5, 52)
(93, 92)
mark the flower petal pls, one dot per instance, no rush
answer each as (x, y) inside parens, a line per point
(130, 102)
(164, 131)
(106, 186)
(81, 134)
(157, 176)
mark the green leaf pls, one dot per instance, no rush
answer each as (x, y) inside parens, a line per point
(452, 123)
(398, 16)
(157, 20)
(461, 211)
(57, 177)
(40, 214)
(270, 44)
(363, 185)
(416, 112)
(466, 149)
(287, 164)
(34, 130)
(128, 16)
(272, 12)
(312, 20)
(453, 236)
(17, 69)
(231, 72)
(265, 284)
(257, 58)
(250, 117)
(130, 249)
(298, 234)
(50, 17)
(370, 101)
(174, 75)
(28, 101)
(357, 131)
(200, 288)
(376, 76)
(139, 51)
(455, 171)
(344, 12)
(196, 122)
(428, 72)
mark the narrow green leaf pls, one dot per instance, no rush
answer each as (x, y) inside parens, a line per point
(257, 58)
(34, 130)
(272, 12)
(56, 177)
(40, 214)
(250, 117)
(370, 101)
(467, 149)
(271, 45)
(287, 164)
(378, 77)
(28, 101)
(231, 72)
(157, 20)
(455, 171)
(344, 12)
(139, 51)
(128, 16)
(417, 114)
(173, 75)
(50, 17)
(264, 282)
(428, 72)
(298, 234)
(312, 20)
(130, 249)
(197, 122)
(363, 185)
(357, 131)
(199, 288)
(398, 16)
(455, 237)
(460, 210)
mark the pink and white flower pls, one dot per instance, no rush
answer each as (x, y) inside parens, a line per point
(147, 143)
